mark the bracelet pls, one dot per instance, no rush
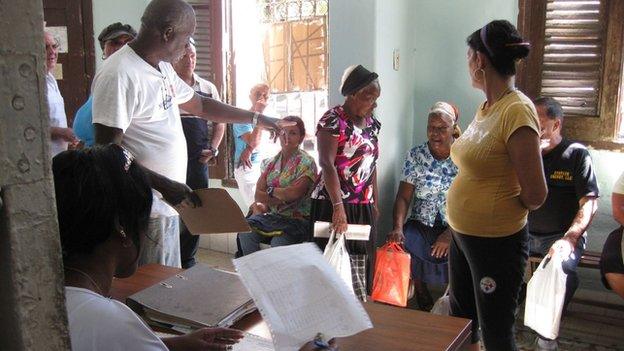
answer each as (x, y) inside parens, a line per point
(337, 204)
(254, 119)
(215, 151)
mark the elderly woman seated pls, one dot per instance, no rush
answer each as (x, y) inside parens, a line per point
(282, 208)
(427, 176)
(104, 201)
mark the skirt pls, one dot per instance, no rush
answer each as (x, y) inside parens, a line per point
(418, 241)
(361, 253)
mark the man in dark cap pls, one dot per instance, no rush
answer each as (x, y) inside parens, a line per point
(113, 37)
(136, 94)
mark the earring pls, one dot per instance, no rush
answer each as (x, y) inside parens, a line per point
(482, 74)
(103, 56)
(124, 239)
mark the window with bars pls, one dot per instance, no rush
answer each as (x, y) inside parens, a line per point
(295, 45)
(576, 57)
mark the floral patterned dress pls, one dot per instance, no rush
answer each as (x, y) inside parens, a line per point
(288, 223)
(431, 179)
(356, 157)
(355, 163)
(300, 164)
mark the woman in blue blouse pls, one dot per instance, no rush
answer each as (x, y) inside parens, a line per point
(427, 175)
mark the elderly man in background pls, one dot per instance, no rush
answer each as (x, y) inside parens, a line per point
(112, 38)
(136, 94)
(560, 224)
(60, 135)
(202, 144)
(247, 137)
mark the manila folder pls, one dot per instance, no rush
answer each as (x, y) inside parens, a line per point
(218, 214)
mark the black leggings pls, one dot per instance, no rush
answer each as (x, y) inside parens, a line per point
(485, 276)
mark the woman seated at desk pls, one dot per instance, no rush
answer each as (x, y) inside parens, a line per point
(427, 175)
(103, 201)
(282, 208)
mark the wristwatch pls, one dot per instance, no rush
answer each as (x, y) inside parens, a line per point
(215, 151)
(270, 191)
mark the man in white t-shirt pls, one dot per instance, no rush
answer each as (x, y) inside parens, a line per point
(60, 135)
(136, 94)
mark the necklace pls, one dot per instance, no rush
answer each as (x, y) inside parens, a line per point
(486, 105)
(99, 290)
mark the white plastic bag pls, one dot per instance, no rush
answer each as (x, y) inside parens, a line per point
(442, 306)
(544, 297)
(338, 257)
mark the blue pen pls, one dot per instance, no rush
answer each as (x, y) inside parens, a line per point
(319, 342)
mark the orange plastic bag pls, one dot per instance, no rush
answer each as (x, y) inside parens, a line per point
(392, 275)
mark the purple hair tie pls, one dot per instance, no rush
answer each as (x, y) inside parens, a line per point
(483, 35)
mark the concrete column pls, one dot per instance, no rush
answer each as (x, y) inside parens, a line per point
(32, 308)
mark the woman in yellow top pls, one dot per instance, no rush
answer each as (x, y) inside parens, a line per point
(500, 179)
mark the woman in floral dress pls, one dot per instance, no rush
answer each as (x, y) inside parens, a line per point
(346, 191)
(281, 209)
(427, 175)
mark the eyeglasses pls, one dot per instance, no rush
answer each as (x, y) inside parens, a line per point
(438, 130)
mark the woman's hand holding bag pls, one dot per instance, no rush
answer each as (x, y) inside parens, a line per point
(338, 257)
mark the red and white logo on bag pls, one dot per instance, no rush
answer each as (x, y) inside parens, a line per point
(488, 285)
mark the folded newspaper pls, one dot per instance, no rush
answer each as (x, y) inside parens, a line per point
(299, 295)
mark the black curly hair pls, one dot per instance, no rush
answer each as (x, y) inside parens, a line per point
(99, 190)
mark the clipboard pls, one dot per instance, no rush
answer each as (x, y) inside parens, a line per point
(218, 214)
(354, 231)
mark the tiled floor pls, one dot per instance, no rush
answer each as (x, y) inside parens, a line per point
(584, 328)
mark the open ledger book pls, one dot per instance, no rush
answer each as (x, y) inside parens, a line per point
(198, 297)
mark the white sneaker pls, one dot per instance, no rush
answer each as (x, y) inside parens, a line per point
(546, 345)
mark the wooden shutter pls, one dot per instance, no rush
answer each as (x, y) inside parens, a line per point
(574, 42)
(577, 53)
(204, 39)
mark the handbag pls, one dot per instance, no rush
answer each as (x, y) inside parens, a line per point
(392, 275)
(544, 297)
(338, 257)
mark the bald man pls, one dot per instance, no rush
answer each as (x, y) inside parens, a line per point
(136, 95)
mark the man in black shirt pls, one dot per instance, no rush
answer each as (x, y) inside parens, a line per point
(561, 223)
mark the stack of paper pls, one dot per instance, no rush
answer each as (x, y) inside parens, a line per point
(299, 295)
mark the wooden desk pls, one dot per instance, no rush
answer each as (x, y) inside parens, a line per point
(396, 329)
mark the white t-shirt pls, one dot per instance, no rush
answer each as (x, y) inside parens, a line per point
(618, 188)
(130, 94)
(99, 323)
(56, 105)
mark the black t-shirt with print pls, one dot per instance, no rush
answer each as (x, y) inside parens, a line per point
(570, 176)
